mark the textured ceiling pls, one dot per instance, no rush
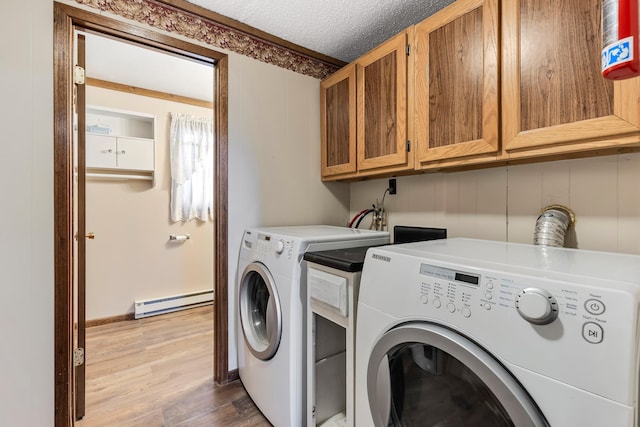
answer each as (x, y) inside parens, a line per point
(343, 29)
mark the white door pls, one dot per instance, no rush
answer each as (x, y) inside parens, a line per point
(135, 154)
(100, 151)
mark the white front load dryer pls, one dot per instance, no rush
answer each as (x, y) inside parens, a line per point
(464, 332)
(272, 304)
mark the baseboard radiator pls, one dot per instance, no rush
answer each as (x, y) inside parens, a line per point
(153, 307)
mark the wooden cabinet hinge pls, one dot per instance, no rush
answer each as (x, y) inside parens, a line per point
(408, 49)
(408, 146)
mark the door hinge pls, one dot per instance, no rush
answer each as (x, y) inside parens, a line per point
(408, 146)
(408, 49)
(78, 357)
(78, 75)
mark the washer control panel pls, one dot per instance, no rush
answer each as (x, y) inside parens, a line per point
(267, 245)
(468, 294)
(449, 289)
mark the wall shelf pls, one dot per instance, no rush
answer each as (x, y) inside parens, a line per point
(120, 144)
(118, 176)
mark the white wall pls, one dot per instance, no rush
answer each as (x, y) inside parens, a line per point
(26, 245)
(131, 257)
(504, 203)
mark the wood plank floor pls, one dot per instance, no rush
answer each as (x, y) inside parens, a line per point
(157, 372)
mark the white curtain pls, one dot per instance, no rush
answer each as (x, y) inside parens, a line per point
(191, 150)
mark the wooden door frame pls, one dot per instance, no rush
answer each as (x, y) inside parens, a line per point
(65, 19)
(80, 300)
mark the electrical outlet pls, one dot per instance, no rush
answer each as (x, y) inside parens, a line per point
(392, 186)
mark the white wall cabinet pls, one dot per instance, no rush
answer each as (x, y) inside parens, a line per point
(110, 152)
(119, 144)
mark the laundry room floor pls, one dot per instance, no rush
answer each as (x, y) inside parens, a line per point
(157, 372)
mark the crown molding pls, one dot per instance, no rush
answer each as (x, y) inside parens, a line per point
(195, 22)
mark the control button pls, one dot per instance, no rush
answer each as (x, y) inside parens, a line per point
(466, 312)
(424, 299)
(487, 306)
(592, 332)
(536, 306)
(279, 246)
(594, 306)
(488, 296)
(489, 285)
(451, 308)
(437, 303)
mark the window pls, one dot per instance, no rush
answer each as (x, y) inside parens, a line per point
(191, 150)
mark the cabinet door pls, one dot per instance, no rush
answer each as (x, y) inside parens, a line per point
(100, 151)
(553, 93)
(457, 81)
(382, 106)
(338, 122)
(135, 154)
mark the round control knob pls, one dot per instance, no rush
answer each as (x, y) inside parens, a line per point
(537, 306)
(279, 246)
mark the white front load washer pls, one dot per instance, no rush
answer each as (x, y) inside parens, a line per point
(272, 311)
(464, 332)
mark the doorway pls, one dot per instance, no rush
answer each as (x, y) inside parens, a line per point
(66, 19)
(133, 97)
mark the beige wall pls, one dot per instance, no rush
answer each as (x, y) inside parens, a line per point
(504, 203)
(131, 257)
(273, 179)
(274, 159)
(26, 245)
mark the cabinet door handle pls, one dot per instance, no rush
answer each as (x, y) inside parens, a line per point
(122, 152)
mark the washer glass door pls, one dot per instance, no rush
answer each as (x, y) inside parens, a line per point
(426, 375)
(260, 313)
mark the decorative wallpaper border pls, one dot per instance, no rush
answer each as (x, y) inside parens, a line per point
(172, 19)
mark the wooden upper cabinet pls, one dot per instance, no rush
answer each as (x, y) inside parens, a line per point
(382, 106)
(338, 122)
(456, 79)
(554, 96)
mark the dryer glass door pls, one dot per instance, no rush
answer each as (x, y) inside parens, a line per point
(426, 375)
(260, 312)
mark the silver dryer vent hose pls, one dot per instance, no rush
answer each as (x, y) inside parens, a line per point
(552, 225)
